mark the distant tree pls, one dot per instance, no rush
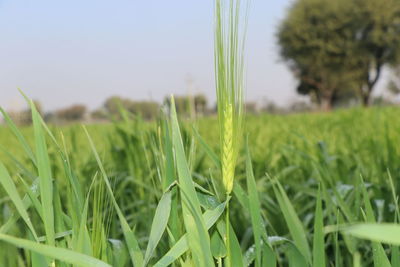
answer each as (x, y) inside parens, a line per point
(336, 46)
(377, 40)
(146, 109)
(251, 107)
(187, 104)
(24, 117)
(99, 114)
(299, 106)
(50, 117)
(113, 104)
(182, 104)
(200, 103)
(271, 107)
(73, 113)
(314, 40)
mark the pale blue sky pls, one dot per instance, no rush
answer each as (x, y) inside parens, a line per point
(64, 52)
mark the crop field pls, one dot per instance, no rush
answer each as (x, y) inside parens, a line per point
(313, 174)
(231, 189)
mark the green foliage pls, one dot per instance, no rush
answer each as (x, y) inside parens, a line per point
(303, 152)
(319, 242)
(189, 105)
(386, 233)
(99, 199)
(73, 113)
(338, 48)
(197, 235)
(54, 252)
(112, 106)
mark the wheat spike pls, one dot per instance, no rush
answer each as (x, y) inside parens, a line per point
(228, 162)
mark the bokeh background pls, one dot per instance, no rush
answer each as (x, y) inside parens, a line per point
(69, 53)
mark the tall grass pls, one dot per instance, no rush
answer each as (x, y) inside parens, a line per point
(277, 218)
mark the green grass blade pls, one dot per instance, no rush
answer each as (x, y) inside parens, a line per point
(61, 254)
(357, 260)
(395, 260)
(382, 233)
(131, 241)
(296, 257)
(218, 248)
(319, 243)
(395, 250)
(20, 137)
(169, 178)
(181, 246)
(10, 188)
(235, 253)
(38, 260)
(268, 256)
(379, 254)
(241, 195)
(255, 208)
(294, 224)
(75, 185)
(83, 243)
(34, 198)
(197, 235)
(21, 166)
(159, 225)
(338, 254)
(213, 156)
(45, 177)
(15, 217)
(169, 156)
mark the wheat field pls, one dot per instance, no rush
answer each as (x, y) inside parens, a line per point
(316, 189)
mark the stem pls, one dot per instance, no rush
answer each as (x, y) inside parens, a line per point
(227, 240)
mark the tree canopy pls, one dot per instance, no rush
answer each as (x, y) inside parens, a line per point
(147, 109)
(73, 113)
(337, 49)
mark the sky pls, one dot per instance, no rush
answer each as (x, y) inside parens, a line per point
(66, 52)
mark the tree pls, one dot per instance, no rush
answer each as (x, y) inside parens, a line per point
(200, 103)
(186, 104)
(112, 106)
(99, 114)
(24, 117)
(377, 37)
(271, 107)
(314, 40)
(147, 109)
(336, 47)
(73, 113)
(251, 107)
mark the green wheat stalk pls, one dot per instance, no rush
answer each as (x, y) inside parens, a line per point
(230, 32)
(229, 77)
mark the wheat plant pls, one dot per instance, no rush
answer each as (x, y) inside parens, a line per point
(230, 33)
